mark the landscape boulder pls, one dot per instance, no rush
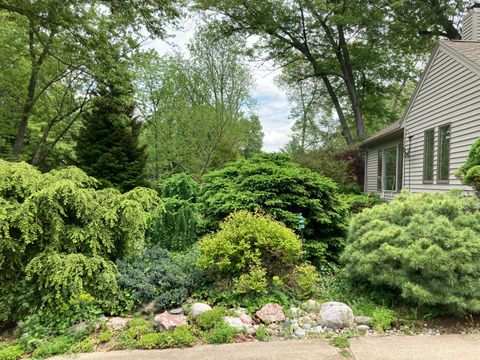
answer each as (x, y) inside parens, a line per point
(336, 315)
(117, 323)
(199, 308)
(246, 319)
(235, 323)
(271, 313)
(166, 321)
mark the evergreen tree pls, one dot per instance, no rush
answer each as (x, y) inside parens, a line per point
(107, 147)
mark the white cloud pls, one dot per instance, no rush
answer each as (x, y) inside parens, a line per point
(272, 103)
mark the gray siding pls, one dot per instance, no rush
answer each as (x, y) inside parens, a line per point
(448, 95)
(371, 169)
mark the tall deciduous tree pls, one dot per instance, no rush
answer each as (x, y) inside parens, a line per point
(351, 47)
(64, 33)
(198, 111)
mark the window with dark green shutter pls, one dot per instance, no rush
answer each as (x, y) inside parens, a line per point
(428, 150)
(443, 153)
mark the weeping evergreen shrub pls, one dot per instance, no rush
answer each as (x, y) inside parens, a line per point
(59, 238)
(176, 226)
(469, 173)
(423, 247)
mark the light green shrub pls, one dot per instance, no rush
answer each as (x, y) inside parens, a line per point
(262, 334)
(105, 336)
(469, 173)
(156, 340)
(221, 335)
(211, 318)
(423, 247)
(58, 237)
(248, 241)
(59, 345)
(11, 352)
(304, 282)
(183, 337)
(382, 318)
(254, 282)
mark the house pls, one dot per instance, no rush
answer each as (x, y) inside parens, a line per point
(423, 150)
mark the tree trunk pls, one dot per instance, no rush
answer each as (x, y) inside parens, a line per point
(346, 66)
(32, 85)
(341, 116)
(37, 156)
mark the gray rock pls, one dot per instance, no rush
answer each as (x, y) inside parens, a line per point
(311, 306)
(199, 308)
(79, 327)
(117, 323)
(363, 328)
(336, 315)
(176, 311)
(239, 311)
(307, 326)
(317, 330)
(363, 320)
(297, 312)
(299, 333)
(235, 323)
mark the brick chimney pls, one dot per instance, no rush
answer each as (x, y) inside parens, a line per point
(471, 24)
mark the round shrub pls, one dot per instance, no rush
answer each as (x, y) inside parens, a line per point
(281, 188)
(304, 281)
(423, 247)
(247, 242)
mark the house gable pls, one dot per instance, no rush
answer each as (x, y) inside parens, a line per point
(447, 94)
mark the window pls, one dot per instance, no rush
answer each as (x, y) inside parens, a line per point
(390, 159)
(443, 153)
(400, 168)
(428, 148)
(380, 170)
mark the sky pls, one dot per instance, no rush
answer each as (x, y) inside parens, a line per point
(272, 103)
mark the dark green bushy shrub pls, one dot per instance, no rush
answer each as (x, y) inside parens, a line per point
(423, 247)
(160, 275)
(176, 228)
(283, 189)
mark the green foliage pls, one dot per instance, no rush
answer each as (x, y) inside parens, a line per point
(84, 346)
(160, 275)
(281, 188)
(253, 282)
(107, 146)
(262, 334)
(382, 318)
(355, 203)
(59, 345)
(469, 172)
(176, 228)
(10, 352)
(105, 336)
(180, 337)
(304, 282)
(155, 340)
(137, 327)
(222, 334)
(183, 337)
(423, 247)
(251, 245)
(58, 237)
(211, 318)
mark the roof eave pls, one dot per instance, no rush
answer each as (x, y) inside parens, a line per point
(382, 139)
